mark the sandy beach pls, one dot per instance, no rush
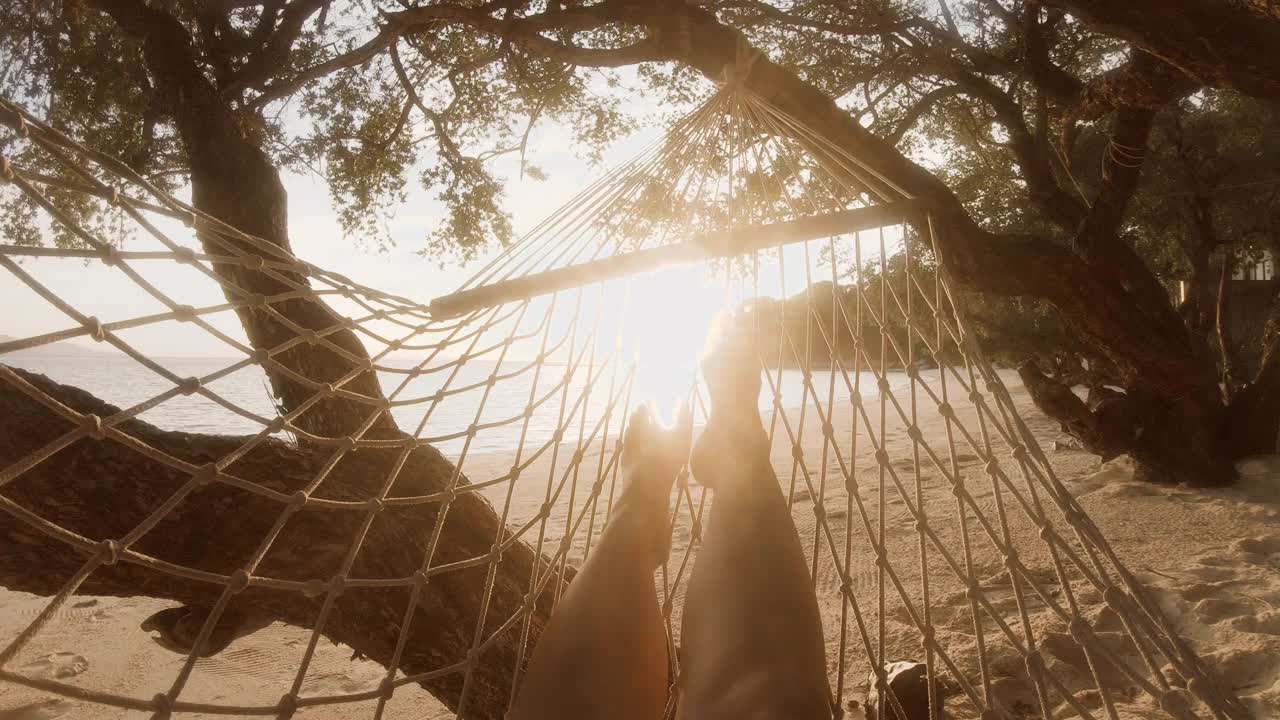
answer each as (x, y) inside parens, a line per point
(1210, 557)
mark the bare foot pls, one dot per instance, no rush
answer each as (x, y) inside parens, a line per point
(731, 369)
(751, 634)
(603, 655)
(652, 457)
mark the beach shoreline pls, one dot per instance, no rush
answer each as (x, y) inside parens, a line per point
(1213, 572)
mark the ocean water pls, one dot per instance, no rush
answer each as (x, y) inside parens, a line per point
(122, 381)
(125, 383)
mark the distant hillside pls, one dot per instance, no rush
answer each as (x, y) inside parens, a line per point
(830, 319)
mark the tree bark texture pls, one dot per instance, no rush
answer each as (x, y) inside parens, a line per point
(234, 180)
(101, 489)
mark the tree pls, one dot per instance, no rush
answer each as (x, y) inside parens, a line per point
(1032, 95)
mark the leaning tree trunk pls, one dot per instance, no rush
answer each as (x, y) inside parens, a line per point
(234, 180)
(101, 489)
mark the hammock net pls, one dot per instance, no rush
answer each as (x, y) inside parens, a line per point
(425, 501)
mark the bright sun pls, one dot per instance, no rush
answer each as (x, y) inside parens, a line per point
(664, 320)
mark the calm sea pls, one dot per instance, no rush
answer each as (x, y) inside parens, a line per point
(121, 381)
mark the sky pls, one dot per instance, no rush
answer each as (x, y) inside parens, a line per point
(660, 319)
(316, 237)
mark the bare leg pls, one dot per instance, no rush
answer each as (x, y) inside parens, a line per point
(604, 652)
(751, 640)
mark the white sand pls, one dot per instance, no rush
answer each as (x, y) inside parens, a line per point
(1212, 559)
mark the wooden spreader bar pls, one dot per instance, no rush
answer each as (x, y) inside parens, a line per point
(734, 242)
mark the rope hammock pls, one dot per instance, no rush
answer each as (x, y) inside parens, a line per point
(966, 552)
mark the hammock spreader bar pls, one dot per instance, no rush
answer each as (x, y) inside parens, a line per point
(734, 242)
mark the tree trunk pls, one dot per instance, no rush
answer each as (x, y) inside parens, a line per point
(101, 489)
(1221, 44)
(1198, 248)
(1253, 418)
(233, 180)
(1169, 439)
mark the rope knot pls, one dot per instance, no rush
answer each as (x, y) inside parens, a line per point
(337, 585)
(313, 588)
(1079, 631)
(238, 582)
(96, 331)
(1174, 702)
(1114, 597)
(207, 474)
(93, 426)
(1034, 663)
(110, 551)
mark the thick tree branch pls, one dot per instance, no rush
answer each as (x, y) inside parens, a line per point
(1048, 77)
(524, 31)
(1121, 168)
(769, 11)
(922, 107)
(1144, 82)
(1034, 160)
(1220, 44)
(1106, 430)
(101, 489)
(1151, 428)
(274, 43)
(1103, 246)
